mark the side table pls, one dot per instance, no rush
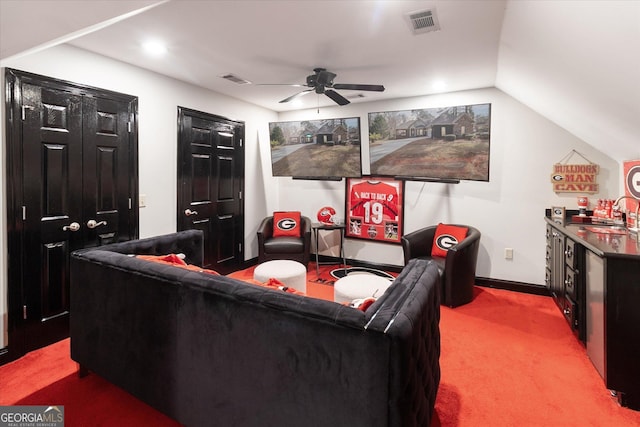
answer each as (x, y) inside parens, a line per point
(316, 227)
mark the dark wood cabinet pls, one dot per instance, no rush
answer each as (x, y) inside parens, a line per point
(600, 296)
(565, 278)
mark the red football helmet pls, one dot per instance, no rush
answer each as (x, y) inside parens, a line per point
(326, 214)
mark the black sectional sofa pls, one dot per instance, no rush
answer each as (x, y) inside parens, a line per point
(214, 351)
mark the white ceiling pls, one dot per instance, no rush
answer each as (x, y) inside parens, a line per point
(575, 62)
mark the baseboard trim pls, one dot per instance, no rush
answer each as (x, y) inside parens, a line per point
(509, 285)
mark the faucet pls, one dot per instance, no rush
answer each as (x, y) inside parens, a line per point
(637, 210)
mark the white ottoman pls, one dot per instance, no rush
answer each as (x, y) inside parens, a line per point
(356, 286)
(291, 273)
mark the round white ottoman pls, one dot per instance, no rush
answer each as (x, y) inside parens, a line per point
(356, 286)
(291, 273)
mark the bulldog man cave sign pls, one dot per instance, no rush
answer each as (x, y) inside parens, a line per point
(576, 178)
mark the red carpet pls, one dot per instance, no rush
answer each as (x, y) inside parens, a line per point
(508, 359)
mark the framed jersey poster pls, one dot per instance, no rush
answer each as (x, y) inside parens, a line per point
(374, 209)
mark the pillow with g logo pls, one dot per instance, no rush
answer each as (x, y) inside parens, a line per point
(286, 224)
(446, 237)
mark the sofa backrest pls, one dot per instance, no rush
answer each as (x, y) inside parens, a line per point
(188, 242)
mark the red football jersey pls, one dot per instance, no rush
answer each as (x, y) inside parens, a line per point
(374, 202)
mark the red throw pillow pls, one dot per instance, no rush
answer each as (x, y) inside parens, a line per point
(176, 261)
(286, 224)
(447, 236)
(171, 259)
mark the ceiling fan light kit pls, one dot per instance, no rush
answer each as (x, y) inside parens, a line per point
(321, 82)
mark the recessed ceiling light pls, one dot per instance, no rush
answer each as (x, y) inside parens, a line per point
(439, 85)
(154, 47)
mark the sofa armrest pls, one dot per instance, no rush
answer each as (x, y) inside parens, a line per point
(418, 243)
(409, 315)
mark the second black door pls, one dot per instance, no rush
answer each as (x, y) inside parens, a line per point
(211, 184)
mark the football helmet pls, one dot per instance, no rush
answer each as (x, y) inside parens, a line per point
(326, 215)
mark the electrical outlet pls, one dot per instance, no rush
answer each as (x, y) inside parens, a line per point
(508, 253)
(142, 200)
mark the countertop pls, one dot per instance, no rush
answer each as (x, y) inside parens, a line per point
(603, 240)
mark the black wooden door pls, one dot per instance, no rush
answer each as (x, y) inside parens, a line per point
(71, 158)
(107, 195)
(210, 185)
(51, 176)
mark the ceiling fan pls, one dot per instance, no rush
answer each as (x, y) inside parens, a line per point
(321, 82)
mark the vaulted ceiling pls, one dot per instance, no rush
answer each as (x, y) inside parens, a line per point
(575, 62)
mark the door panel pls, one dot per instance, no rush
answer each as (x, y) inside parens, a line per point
(106, 193)
(210, 185)
(52, 150)
(199, 166)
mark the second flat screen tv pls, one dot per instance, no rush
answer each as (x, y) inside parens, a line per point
(433, 143)
(316, 149)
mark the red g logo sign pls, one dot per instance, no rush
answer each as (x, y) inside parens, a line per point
(446, 241)
(286, 224)
(633, 181)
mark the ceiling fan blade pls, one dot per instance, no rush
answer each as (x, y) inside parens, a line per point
(304, 92)
(373, 88)
(339, 99)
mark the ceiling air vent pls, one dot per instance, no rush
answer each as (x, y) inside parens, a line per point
(423, 21)
(235, 79)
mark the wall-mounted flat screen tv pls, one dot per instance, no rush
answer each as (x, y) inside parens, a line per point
(432, 143)
(316, 149)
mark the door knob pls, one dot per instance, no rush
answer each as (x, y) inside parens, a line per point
(74, 226)
(93, 224)
(189, 212)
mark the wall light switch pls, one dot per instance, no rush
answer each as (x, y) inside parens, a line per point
(508, 253)
(142, 200)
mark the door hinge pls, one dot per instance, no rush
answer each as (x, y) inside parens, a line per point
(24, 312)
(24, 213)
(241, 141)
(129, 127)
(130, 203)
(240, 195)
(239, 247)
(24, 110)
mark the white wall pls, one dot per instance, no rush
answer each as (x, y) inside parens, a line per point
(508, 210)
(159, 98)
